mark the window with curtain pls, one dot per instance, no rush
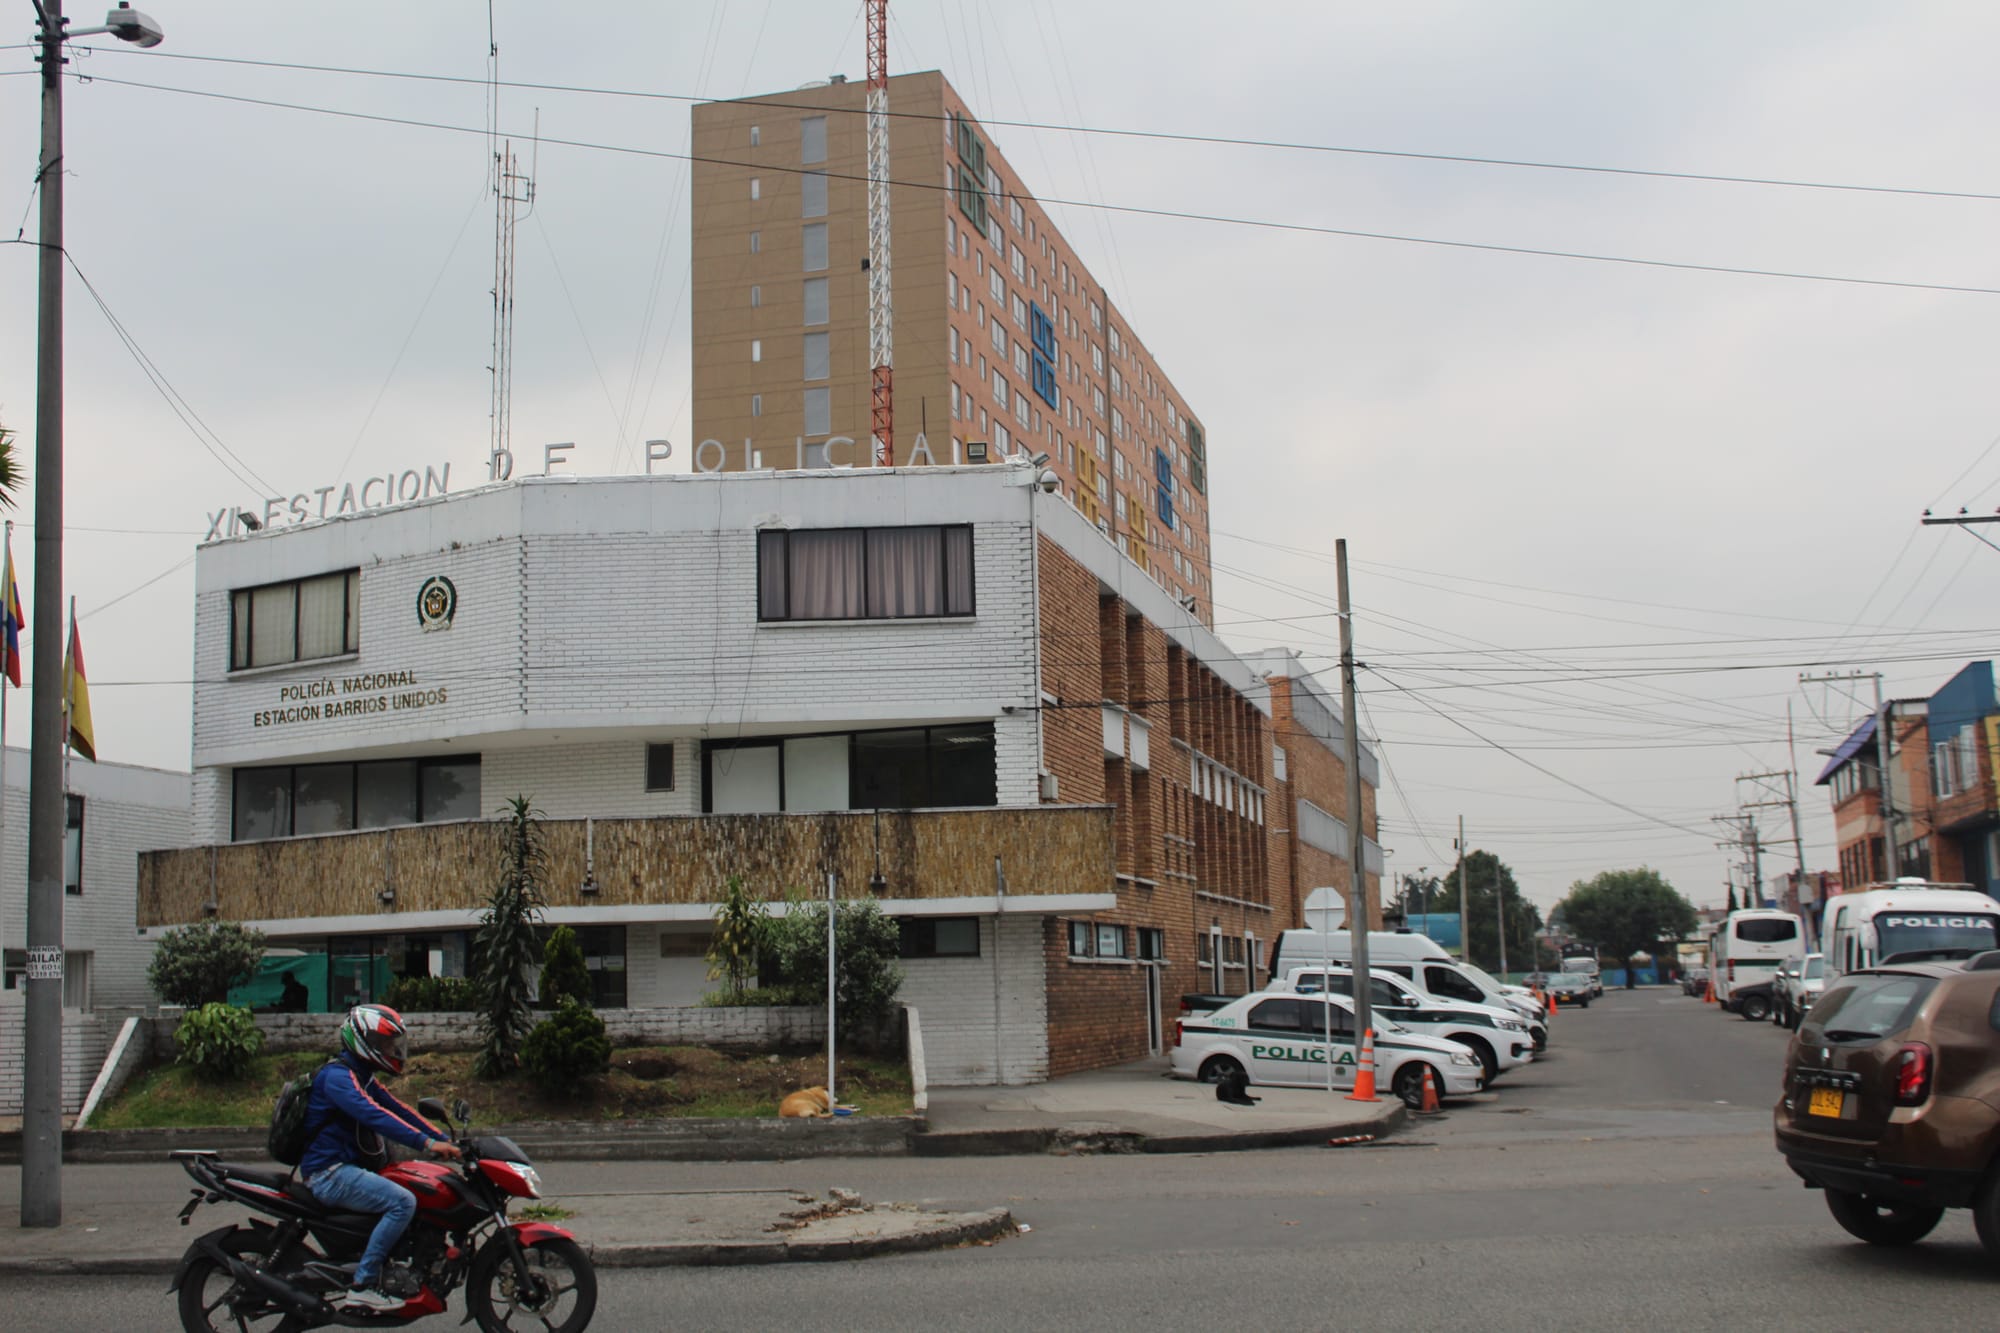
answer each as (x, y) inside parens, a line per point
(296, 621)
(865, 573)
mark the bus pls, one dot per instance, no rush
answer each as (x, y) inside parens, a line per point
(1748, 947)
(1880, 921)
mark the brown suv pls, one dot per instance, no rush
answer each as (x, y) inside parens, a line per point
(1892, 1099)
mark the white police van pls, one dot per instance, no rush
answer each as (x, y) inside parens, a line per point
(1282, 1041)
(1497, 1035)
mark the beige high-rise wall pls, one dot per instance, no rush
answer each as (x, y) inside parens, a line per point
(1115, 413)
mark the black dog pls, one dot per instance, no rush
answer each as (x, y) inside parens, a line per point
(1232, 1088)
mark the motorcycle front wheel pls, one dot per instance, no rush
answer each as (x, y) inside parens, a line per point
(562, 1295)
(211, 1301)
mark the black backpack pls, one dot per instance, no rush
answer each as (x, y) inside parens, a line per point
(287, 1141)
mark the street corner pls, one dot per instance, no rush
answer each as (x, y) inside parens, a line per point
(766, 1227)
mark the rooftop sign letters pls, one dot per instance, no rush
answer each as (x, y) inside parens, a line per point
(331, 501)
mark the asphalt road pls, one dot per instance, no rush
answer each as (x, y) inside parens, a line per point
(1628, 1177)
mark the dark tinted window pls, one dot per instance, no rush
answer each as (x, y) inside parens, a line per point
(660, 767)
(1767, 930)
(1449, 983)
(1871, 1006)
(1282, 1015)
(889, 770)
(939, 937)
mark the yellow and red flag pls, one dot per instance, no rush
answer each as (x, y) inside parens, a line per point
(76, 698)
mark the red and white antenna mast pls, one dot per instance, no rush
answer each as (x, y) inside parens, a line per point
(881, 348)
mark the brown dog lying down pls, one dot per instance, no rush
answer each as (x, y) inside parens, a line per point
(806, 1102)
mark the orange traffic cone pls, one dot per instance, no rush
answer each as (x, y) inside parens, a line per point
(1364, 1076)
(1552, 1002)
(1708, 992)
(1429, 1105)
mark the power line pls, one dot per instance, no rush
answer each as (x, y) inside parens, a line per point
(1165, 136)
(1135, 210)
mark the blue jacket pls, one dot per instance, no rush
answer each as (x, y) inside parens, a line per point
(346, 1100)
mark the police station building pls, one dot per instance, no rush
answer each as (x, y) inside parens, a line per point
(939, 685)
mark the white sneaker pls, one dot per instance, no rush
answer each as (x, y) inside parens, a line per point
(370, 1301)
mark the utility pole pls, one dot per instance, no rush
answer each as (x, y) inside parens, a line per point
(1884, 757)
(41, 1104)
(1464, 924)
(1356, 844)
(1500, 915)
(1744, 826)
(1789, 800)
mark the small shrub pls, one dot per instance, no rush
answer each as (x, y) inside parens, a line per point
(566, 1048)
(564, 976)
(739, 932)
(506, 943)
(432, 995)
(219, 1040)
(197, 964)
(868, 944)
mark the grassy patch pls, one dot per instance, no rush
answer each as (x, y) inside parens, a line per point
(644, 1083)
(544, 1212)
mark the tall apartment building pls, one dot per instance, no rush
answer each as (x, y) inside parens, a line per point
(1004, 341)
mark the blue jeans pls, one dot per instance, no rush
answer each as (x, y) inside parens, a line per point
(353, 1190)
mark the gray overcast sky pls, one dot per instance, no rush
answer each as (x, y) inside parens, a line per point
(1558, 478)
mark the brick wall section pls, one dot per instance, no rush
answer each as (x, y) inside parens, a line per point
(1092, 1007)
(1316, 773)
(956, 997)
(86, 1036)
(1072, 675)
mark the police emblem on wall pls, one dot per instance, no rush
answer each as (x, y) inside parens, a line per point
(437, 603)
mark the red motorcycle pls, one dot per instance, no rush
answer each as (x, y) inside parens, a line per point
(286, 1274)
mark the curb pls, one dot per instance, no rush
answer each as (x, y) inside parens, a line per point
(1055, 1139)
(963, 1228)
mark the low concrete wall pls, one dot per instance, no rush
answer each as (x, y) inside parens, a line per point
(86, 1035)
(745, 1026)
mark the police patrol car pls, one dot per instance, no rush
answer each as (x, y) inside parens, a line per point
(1499, 1037)
(1281, 1040)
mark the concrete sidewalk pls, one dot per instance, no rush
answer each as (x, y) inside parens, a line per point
(1138, 1108)
(641, 1228)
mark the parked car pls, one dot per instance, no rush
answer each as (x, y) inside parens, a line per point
(1752, 1002)
(1694, 981)
(1798, 984)
(1571, 988)
(1283, 1041)
(1891, 1101)
(1499, 1037)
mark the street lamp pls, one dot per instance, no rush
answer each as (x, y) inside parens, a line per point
(41, 1094)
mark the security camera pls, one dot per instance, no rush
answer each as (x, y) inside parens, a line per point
(129, 25)
(1048, 481)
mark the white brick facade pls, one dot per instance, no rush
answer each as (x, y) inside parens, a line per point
(977, 1011)
(126, 810)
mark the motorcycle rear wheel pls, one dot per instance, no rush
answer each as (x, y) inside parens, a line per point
(208, 1287)
(566, 1305)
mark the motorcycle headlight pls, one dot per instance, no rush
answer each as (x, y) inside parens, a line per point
(534, 1179)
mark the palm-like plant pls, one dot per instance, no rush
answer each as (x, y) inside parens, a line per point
(508, 948)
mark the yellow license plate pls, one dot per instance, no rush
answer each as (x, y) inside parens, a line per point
(1826, 1101)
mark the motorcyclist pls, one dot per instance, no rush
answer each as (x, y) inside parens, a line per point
(347, 1117)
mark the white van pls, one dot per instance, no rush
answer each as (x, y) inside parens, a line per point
(1909, 916)
(1748, 947)
(1417, 959)
(1586, 965)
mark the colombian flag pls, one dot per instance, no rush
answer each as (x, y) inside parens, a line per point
(76, 696)
(12, 621)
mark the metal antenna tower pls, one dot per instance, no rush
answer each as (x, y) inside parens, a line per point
(881, 342)
(512, 191)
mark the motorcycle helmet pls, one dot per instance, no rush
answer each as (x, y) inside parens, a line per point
(374, 1035)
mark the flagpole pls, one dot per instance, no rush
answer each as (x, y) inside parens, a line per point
(6, 858)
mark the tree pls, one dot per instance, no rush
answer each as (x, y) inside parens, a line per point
(10, 469)
(1422, 894)
(739, 933)
(1624, 912)
(564, 975)
(1489, 884)
(197, 964)
(508, 950)
(868, 975)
